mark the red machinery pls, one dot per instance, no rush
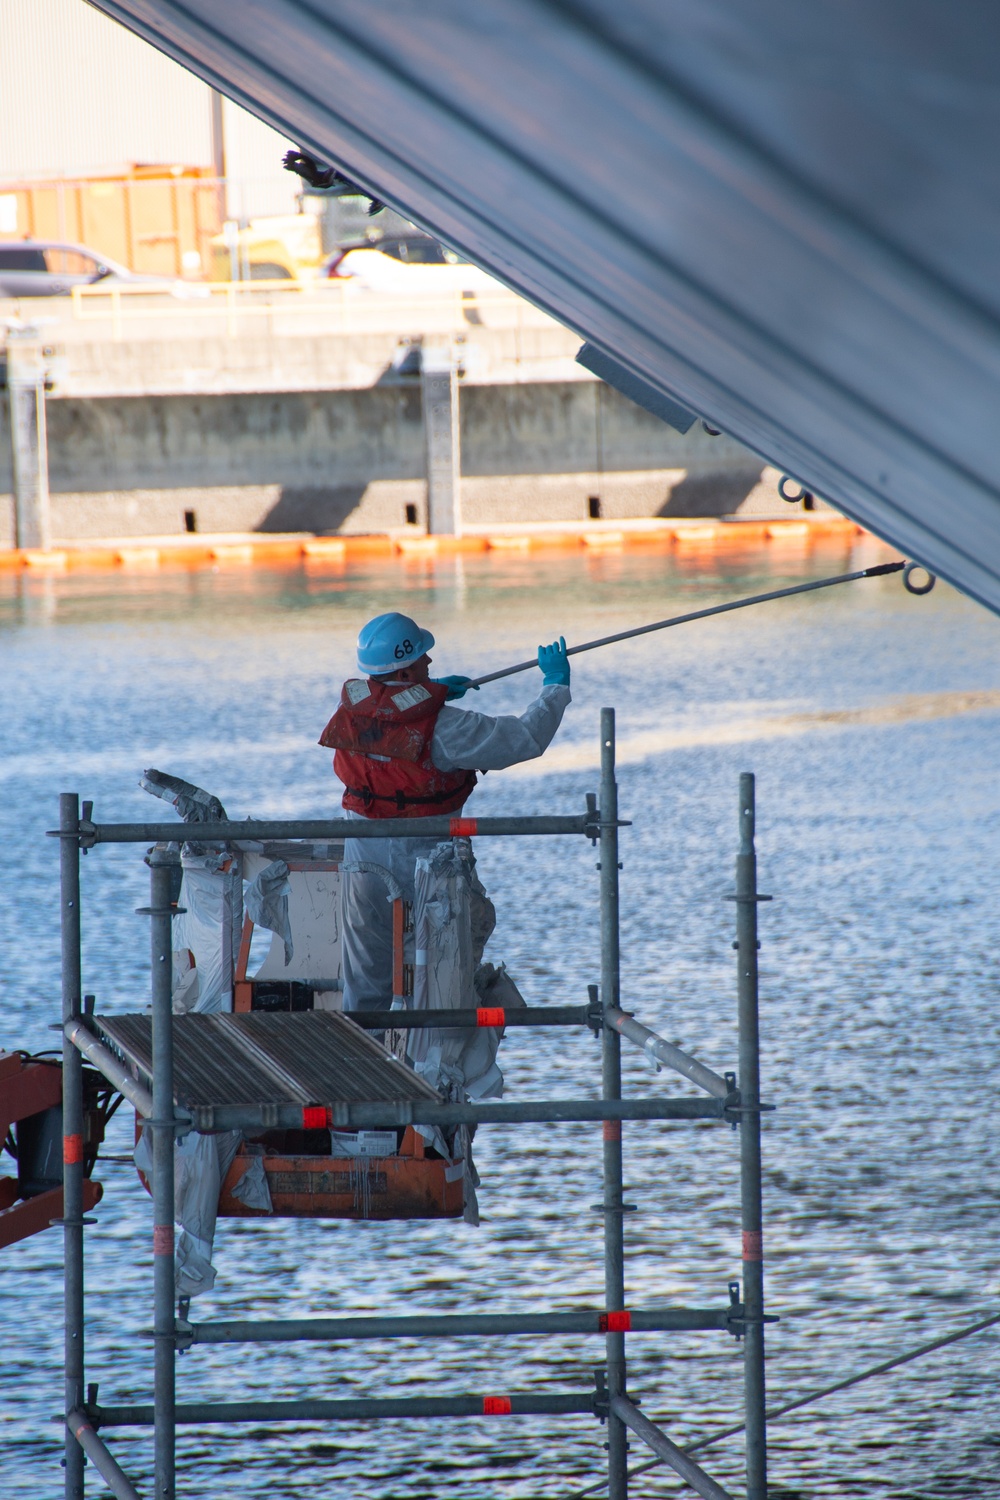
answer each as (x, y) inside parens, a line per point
(31, 1129)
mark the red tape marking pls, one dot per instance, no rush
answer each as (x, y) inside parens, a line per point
(163, 1239)
(612, 1130)
(490, 1015)
(615, 1322)
(72, 1150)
(314, 1117)
(462, 828)
(496, 1406)
(753, 1244)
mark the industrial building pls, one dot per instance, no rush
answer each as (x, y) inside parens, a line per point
(58, 56)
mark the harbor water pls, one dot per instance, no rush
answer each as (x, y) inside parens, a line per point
(870, 718)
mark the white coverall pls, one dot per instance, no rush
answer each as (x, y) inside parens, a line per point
(463, 740)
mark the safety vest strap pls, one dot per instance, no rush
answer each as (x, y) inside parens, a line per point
(400, 800)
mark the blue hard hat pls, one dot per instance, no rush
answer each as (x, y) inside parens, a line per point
(389, 642)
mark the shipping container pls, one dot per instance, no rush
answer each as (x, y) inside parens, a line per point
(155, 220)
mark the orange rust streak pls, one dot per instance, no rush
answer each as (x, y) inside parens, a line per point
(397, 947)
(243, 957)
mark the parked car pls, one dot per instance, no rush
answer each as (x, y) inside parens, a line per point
(49, 268)
(415, 265)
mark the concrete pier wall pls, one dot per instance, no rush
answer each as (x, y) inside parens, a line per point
(352, 460)
(272, 348)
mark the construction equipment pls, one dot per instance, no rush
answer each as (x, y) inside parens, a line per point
(31, 1130)
(205, 1077)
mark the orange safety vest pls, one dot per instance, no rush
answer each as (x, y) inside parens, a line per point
(382, 737)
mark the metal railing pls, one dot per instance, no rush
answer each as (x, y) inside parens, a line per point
(334, 307)
(609, 1401)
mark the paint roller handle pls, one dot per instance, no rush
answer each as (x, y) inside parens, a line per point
(701, 614)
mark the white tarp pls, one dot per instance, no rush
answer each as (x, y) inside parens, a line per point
(210, 896)
(458, 1061)
(266, 902)
(205, 936)
(200, 1166)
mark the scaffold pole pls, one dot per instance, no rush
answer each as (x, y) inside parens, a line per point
(750, 1178)
(72, 1133)
(152, 1093)
(611, 1079)
(160, 914)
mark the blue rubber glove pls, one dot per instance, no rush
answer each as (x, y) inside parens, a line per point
(554, 664)
(457, 686)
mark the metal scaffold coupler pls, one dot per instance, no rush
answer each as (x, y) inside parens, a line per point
(593, 828)
(601, 1406)
(595, 1010)
(736, 1311)
(87, 833)
(732, 1107)
(83, 834)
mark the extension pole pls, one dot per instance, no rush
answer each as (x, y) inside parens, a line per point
(162, 1126)
(750, 1183)
(72, 1130)
(611, 1079)
(701, 614)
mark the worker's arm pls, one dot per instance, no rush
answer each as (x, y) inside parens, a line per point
(468, 741)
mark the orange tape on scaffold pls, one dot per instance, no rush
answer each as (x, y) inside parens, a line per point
(315, 1117)
(490, 1015)
(462, 828)
(496, 1406)
(72, 1150)
(615, 1322)
(753, 1244)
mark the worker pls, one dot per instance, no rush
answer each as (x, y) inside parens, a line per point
(403, 752)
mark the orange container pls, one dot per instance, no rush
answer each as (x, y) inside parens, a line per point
(147, 218)
(408, 1185)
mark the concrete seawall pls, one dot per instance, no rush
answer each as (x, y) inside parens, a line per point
(352, 460)
(278, 409)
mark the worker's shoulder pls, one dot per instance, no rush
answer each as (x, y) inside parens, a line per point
(450, 717)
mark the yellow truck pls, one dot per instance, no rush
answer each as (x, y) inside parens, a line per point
(287, 247)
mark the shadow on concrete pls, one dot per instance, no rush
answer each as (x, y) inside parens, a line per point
(404, 369)
(318, 508)
(719, 494)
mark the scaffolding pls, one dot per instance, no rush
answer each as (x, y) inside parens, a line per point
(730, 1100)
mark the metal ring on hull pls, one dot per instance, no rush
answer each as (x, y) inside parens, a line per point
(914, 588)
